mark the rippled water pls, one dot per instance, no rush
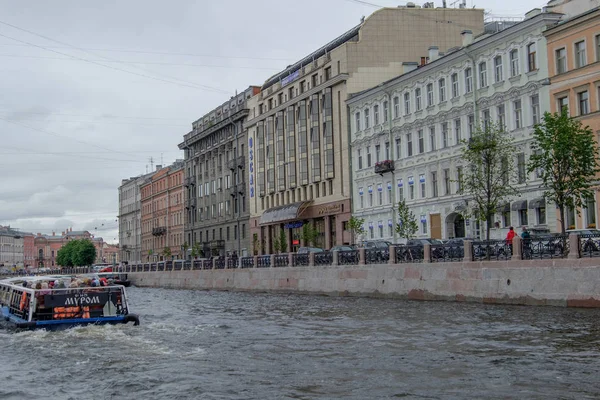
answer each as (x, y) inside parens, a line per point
(221, 345)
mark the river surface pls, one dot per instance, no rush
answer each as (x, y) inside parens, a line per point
(227, 345)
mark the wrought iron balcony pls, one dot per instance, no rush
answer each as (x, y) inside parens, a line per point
(190, 203)
(237, 162)
(189, 181)
(161, 230)
(384, 166)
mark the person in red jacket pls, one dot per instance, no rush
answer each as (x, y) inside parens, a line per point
(509, 238)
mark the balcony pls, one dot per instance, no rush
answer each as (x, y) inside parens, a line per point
(384, 166)
(189, 181)
(237, 162)
(161, 230)
(190, 203)
(240, 189)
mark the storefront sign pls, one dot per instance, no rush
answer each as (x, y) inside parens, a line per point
(330, 209)
(295, 242)
(293, 225)
(290, 78)
(251, 165)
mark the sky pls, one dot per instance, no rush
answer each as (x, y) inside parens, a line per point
(93, 90)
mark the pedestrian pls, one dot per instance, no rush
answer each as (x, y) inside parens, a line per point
(525, 233)
(509, 238)
(526, 236)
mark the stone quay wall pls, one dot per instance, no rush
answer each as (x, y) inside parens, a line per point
(569, 282)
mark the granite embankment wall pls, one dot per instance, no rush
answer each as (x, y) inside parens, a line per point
(558, 282)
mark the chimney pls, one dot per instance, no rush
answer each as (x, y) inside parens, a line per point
(467, 37)
(52, 233)
(409, 66)
(434, 53)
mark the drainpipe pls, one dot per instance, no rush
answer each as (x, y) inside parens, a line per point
(349, 154)
(475, 80)
(393, 158)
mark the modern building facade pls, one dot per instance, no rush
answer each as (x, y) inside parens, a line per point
(574, 64)
(300, 172)
(130, 219)
(162, 215)
(11, 247)
(216, 208)
(406, 134)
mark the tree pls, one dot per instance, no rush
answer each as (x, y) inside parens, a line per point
(490, 174)
(565, 155)
(149, 254)
(280, 242)
(407, 223)
(65, 255)
(309, 234)
(356, 227)
(196, 250)
(82, 252)
(255, 244)
(185, 246)
(167, 252)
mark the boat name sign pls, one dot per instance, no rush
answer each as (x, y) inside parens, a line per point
(76, 299)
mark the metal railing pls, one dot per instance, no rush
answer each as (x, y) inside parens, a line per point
(300, 260)
(220, 263)
(554, 246)
(232, 262)
(281, 260)
(264, 261)
(492, 250)
(247, 262)
(348, 257)
(207, 264)
(410, 254)
(446, 253)
(589, 245)
(324, 258)
(376, 256)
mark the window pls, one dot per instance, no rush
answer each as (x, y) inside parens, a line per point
(482, 74)
(459, 178)
(423, 224)
(387, 151)
(380, 193)
(563, 102)
(514, 62)
(517, 113)
(498, 77)
(535, 109)
(377, 153)
(457, 131)
(561, 60)
(429, 94)
(406, 103)
(500, 110)
(385, 111)
(541, 215)
(360, 161)
(396, 107)
(380, 225)
(521, 176)
(444, 135)
(442, 89)
(434, 184)
(367, 115)
(590, 211)
(422, 183)
(468, 80)
(409, 144)
(389, 192)
(446, 182)
(370, 189)
(506, 219)
(368, 156)
(411, 188)
(421, 141)
(360, 195)
(597, 47)
(471, 122)
(487, 118)
(400, 190)
(523, 217)
(584, 104)
(357, 118)
(375, 115)
(580, 57)
(531, 57)
(398, 148)
(418, 104)
(454, 79)
(432, 137)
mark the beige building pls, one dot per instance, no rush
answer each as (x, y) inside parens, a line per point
(574, 65)
(299, 170)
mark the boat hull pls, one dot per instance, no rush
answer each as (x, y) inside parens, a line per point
(13, 321)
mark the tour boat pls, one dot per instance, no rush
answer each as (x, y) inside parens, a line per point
(59, 301)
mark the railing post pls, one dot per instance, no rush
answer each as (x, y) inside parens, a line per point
(290, 259)
(255, 262)
(334, 257)
(272, 261)
(392, 259)
(426, 253)
(361, 256)
(574, 242)
(214, 262)
(517, 253)
(468, 250)
(311, 259)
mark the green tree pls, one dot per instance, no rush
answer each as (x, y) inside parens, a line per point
(196, 250)
(490, 174)
(565, 155)
(407, 223)
(256, 247)
(84, 252)
(356, 227)
(65, 255)
(149, 254)
(166, 252)
(309, 234)
(280, 242)
(185, 246)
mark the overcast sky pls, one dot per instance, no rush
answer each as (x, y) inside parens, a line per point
(92, 89)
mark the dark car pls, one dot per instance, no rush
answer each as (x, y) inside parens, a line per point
(343, 248)
(377, 250)
(306, 250)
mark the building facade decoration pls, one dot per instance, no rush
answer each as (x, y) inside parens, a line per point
(420, 119)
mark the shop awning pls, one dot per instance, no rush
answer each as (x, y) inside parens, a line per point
(283, 213)
(504, 208)
(519, 205)
(538, 202)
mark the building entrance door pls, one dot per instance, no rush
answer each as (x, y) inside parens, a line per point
(436, 226)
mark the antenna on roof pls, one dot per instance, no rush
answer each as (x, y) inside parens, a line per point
(151, 164)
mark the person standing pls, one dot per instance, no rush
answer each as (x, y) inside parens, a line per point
(526, 236)
(509, 238)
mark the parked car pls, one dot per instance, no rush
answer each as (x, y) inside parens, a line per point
(377, 250)
(343, 248)
(306, 250)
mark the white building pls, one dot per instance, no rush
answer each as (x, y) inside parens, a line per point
(11, 246)
(130, 219)
(417, 120)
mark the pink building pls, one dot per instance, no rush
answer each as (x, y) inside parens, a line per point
(46, 246)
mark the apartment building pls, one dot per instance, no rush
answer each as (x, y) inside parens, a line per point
(11, 246)
(574, 64)
(217, 209)
(406, 134)
(130, 219)
(300, 172)
(162, 215)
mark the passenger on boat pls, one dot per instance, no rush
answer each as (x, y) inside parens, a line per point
(23, 306)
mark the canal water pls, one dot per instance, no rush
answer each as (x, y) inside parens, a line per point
(224, 345)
